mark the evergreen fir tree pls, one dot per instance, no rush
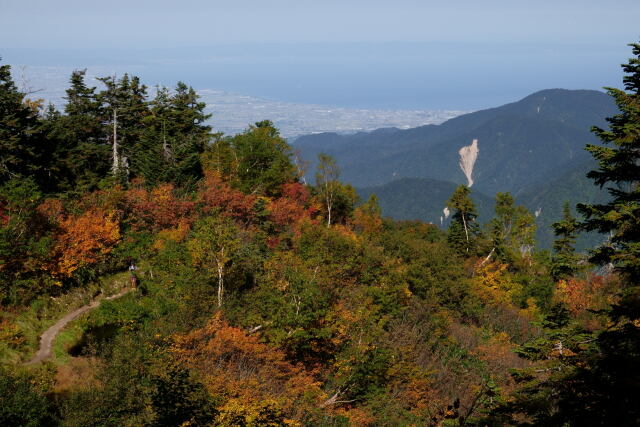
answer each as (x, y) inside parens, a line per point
(82, 150)
(600, 383)
(191, 135)
(565, 261)
(608, 380)
(619, 161)
(153, 157)
(124, 107)
(174, 136)
(463, 230)
(21, 143)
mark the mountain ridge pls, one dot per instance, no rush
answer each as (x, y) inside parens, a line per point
(528, 147)
(547, 119)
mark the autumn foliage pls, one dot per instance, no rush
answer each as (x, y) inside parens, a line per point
(83, 240)
(293, 206)
(174, 234)
(4, 217)
(263, 301)
(51, 209)
(493, 284)
(584, 297)
(217, 195)
(244, 371)
(158, 208)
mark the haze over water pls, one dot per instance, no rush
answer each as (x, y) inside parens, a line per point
(434, 75)
(366, 55)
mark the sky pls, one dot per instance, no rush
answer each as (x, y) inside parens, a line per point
(171, 23)
(401, 54)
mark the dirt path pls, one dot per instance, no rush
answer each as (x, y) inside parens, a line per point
(48, 336)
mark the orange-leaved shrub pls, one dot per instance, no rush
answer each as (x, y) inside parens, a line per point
(158, 208)
(215, 194)
(245, 373)
(82, 240)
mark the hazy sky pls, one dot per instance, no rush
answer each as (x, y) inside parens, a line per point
(174, 23)
(404, 54)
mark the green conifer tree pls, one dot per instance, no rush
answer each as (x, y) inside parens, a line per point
(81, 140)
(565, 261)
(191, 134)
(21, 145)
(464, 229)
(168, 136)
(619, 161)
(154, 157)
(599, 383)
(604, 388)
(124, 107)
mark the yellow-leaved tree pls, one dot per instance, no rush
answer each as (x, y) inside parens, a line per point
(213, 245)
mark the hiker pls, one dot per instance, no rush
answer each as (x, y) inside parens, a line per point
(132, 272)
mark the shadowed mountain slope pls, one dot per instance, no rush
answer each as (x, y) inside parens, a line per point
(533, 148)
(422, 198)
(537, 137)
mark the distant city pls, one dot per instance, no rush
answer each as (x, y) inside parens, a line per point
(232, 112)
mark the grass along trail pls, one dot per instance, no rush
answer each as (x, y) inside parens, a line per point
(47, 338)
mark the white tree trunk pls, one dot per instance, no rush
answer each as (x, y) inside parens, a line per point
(329, 189)
(220, 262)
(486, 260)
(466, 232)
(166, 150)
(220, 284)
(115, 167)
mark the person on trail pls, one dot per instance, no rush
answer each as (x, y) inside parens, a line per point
(132, 272)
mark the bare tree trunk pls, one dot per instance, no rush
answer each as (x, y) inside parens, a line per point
(486, 260)
(254, 329)
(115, 167)
(301, 166)
(220, 262)
(125, 166)
(165, 146)
(466, 231)
(220, 284)
(332, 400)
(329, 195)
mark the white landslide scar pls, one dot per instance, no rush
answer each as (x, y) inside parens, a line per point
(468, 157)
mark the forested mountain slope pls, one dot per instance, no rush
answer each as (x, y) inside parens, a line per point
(259, 300)
(252, 306)
(538, 136)
(533, 148)
(547, 197)
(422, 199)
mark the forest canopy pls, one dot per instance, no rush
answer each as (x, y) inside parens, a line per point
(261, 300)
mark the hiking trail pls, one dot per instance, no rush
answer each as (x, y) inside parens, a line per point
(46, 339)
